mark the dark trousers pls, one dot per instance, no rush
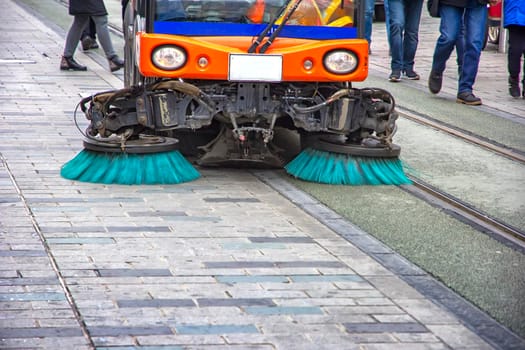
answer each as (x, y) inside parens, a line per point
(90, 30)
(124, 5)
(516, 50)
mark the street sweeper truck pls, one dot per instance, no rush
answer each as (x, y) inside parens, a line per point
(242, 83)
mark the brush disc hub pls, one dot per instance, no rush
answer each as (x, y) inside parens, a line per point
(142, 145)
(368, 148)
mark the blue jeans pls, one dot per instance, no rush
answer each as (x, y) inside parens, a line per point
(369, 18)
(473, 21)
(404, 30)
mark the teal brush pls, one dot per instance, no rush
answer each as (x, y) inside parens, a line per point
(129, 168)
(342, 169)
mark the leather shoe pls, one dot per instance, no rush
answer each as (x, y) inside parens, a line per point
(68, 63)
(468, 98)
(514, 87)
(115, 63)
(87, 43)
(435, 81)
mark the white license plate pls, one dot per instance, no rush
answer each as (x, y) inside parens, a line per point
(247, 67)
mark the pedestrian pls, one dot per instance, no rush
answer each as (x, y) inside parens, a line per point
(514, 21)
(404, 17)
(89, 36)
(82, 10)
(124, 6)
(469, 16)
(369, 18)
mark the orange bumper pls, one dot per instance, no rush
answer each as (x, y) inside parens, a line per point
(217, 50)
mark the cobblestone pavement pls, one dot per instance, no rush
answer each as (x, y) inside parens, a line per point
(224, 262)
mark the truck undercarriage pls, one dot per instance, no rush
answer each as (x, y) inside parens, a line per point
(221, 122)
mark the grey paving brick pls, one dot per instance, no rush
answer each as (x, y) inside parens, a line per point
(156, 303)
(138, 228)
(246, 246)
(326, 278)
(40, 332)
(281, 240)
(23, 253)
(283, 310)
(204, 302)
(251, 279)
(72, 229)
(131, 331)
(138, 347)
(150, 214)
(237, 264)
(231, 200)
(385, 328)
(215, 329)
(79, 240)
(28, 281)
(77, 343)
(133, 272)
(31, 296)
(202, 341)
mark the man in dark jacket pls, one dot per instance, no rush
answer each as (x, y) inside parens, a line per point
(82, 10)
(472, 15)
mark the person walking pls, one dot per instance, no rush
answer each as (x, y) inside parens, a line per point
(124, 4)
(469, 16)
(82, 10)
(514, 21)
(369, 19)
(404, 17)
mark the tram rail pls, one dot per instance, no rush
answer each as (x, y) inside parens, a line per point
(465, 135)
(456, 207)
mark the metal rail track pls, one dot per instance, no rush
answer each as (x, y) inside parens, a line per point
(464, 135)
(463, 211)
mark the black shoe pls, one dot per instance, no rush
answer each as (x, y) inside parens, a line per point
(68, 63)
(395, 77)
(411, 75)
(87, 43)
(435, 81)
(115, 63)
(468, 98)
(514, 87)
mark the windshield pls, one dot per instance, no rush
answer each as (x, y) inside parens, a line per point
(247, 17)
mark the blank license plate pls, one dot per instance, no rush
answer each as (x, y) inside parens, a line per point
(255, 67)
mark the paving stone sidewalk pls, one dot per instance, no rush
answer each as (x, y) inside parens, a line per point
(224, 262)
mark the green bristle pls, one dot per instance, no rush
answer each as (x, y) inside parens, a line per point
(129, 169)
(341, 169)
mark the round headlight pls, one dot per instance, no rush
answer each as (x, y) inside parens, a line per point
(168, 57)
(340, 62)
